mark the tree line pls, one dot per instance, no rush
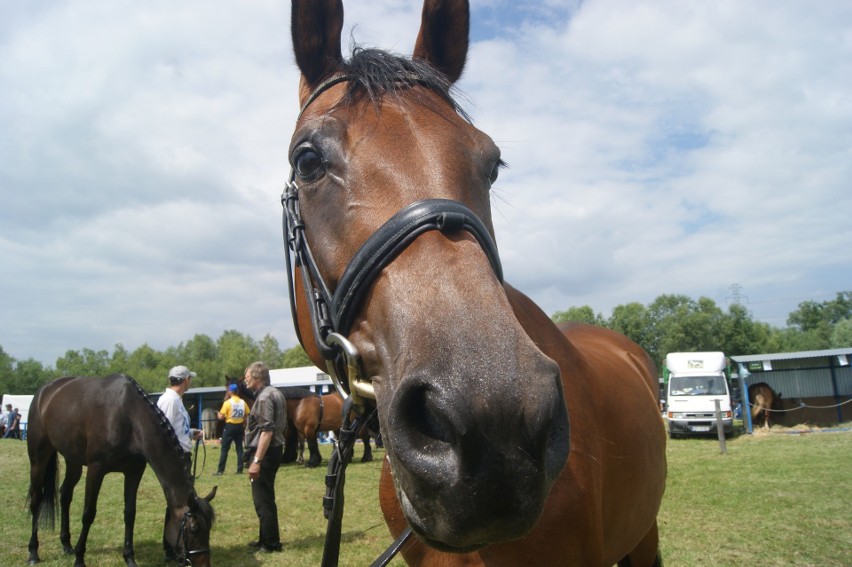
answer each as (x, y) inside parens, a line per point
(670, 323)
(212, 360)
(677, 323)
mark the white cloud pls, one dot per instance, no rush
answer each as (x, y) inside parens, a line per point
(662, 147)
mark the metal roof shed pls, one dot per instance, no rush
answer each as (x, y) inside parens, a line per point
(816, 384)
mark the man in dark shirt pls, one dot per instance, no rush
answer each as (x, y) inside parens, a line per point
(265, 441)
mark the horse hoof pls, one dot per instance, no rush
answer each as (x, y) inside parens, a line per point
(33, 560)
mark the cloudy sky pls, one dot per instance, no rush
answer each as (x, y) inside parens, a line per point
(654, 147)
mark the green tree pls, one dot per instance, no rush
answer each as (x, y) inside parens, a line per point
(841, 335)
(120, 360)
(815, 322)
(631, 320)
(680, 324)
(30, 375)
(201, 355)
(270, 352)
(7, 372)
(739, 334)
(295, 357)
(149, 368)
(236, 352)
(584, 314)
(86, 362)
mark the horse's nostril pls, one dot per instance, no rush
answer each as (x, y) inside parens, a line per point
(421, 410)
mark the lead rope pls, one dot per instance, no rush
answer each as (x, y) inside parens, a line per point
(333, 501)
(335, 479)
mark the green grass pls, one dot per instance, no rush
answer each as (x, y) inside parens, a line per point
(772, 500)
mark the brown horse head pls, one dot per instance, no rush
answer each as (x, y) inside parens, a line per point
(472, 412)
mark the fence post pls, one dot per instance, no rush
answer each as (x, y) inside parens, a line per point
(720, 429)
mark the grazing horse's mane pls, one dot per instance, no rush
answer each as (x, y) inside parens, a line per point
(165, 426)
(374, 73)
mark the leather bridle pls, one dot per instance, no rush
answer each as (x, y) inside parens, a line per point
(332, 312)
(184, 558)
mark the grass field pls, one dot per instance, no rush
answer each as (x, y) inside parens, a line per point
(776, 499)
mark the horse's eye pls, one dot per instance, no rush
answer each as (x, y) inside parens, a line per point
(495, 171)
(307, 163)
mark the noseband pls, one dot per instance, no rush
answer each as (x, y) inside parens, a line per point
(333, 312)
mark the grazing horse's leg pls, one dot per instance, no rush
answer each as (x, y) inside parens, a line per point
(291, 443)
(131, 488)
(368, 451)
(94, 481)
(42, 497)
(315, 458)
(73, 472)
(647, 553)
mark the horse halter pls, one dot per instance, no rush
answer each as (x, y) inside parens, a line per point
(333, 312)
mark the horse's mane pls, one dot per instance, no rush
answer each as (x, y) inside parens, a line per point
(165, 426)
(374, 73)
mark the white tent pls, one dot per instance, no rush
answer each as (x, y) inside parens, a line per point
(20, 402)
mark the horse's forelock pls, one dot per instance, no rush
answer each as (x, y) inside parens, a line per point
(374, 73)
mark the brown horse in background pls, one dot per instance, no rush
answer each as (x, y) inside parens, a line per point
(473, 383)
(763, 401)
(306, 415)
(315, 418)
(110, 425)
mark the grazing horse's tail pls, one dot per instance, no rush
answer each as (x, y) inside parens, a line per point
(49, 488)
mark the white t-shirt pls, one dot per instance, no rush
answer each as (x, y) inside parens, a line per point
(172, 405)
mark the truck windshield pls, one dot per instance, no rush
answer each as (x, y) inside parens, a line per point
(697, 386)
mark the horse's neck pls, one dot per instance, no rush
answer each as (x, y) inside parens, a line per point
(540, 328)
(176, 482)
(163, 455)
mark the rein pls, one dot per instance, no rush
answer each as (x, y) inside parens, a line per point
(195, 459)
(333, 312)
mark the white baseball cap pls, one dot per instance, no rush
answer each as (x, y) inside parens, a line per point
(181, 373)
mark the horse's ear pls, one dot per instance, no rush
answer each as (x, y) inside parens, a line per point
(212, 494)
(316, 26)
(443, 36)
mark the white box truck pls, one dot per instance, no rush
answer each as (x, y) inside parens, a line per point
(695, 380)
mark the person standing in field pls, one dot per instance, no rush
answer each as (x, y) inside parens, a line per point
(234, 412)
(13, 423)
(171, 404)
(265, 445)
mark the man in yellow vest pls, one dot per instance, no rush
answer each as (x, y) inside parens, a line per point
(234, 411)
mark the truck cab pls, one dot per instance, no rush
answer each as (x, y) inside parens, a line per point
(695, 380)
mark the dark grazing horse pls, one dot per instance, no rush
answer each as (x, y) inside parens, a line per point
(763, 401)
(110, 425)
(397, 287)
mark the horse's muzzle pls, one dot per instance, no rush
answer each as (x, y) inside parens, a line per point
(475, 467)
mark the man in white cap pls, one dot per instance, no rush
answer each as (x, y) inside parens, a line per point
(171, 404)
